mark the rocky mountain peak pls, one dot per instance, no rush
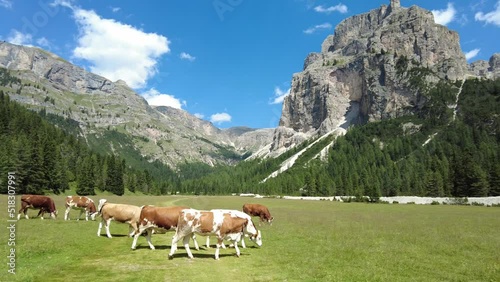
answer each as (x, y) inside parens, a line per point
(363, 72)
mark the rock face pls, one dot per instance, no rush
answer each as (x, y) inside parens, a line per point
(374, 66)
(489, 70)
(100, 105)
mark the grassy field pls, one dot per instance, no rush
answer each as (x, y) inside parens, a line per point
(308, 241)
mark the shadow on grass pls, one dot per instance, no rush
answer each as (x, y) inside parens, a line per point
(203, 256)
(167, 247)
(113, 235)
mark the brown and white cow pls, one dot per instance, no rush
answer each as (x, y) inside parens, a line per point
(223, 245)
(43, 203)
(82, 203)
(225, 225)
(159, 220)
(118, 212)
(260, 211)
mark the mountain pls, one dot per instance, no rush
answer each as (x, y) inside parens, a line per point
(111, 117)
(377, 65)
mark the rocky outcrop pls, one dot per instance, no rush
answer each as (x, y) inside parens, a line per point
(375, 66)
(486, 69)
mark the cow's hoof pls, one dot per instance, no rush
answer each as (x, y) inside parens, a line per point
(170, 257)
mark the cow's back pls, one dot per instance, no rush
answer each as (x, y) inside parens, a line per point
(164, 217)
(122, 212)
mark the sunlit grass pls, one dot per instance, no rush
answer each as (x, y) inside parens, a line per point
(308, 241)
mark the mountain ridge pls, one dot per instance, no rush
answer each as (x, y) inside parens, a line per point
(98, 104)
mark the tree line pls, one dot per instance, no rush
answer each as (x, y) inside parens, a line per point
(46, 159)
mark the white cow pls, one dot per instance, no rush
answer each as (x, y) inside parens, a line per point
(224, 224)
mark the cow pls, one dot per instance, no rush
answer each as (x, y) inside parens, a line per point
(260, 211)
(222, 245)
(118, 212)
(43, 203)
(82, 203)
(160, 220)
(226, 225)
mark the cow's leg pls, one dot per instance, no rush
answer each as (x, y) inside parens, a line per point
(218, 245)
(86, 215)
(136, 236)
(107, 223)
(100, 226)
(66, 213)
(131, 231)
(42, 212)
(134, 227)
(23, 209)
(173, 246)
(235, 242)
(195, 242)
(208, 242)
(148, 238)
(242, 236)
(186, 246)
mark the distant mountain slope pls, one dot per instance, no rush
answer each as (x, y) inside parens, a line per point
(101, 106)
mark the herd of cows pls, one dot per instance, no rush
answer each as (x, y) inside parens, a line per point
(231, 225)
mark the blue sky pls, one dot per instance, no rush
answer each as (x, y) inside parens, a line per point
(226, 61)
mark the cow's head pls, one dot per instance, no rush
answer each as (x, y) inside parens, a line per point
(101, 204)
(53, 214)
(270, 220)
(256, 238)
(253, 233)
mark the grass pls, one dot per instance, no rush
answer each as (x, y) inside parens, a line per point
(309, 241)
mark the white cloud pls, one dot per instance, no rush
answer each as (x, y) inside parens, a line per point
(155, 98)
(444, 17)
(186, 56)
(43, 42)
(198, 115)
(472, 53)
(317, 27)
(220, 118)
(492, 17)
(6, 4)
(115, 9)
(116, 50)
(19, 38)
(279, 95)
(341, 8)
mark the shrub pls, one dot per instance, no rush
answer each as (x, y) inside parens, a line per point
(459, 201)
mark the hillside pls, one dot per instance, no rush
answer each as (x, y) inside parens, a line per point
(113, 118)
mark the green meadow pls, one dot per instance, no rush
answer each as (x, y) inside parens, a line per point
(308, 241)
